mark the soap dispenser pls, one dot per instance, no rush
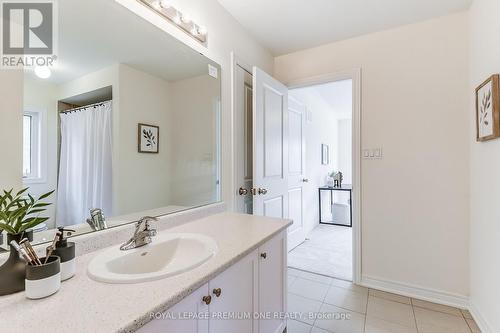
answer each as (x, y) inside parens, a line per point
(66, 251)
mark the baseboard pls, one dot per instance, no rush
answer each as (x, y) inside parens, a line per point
(425, 294)
(480, 321)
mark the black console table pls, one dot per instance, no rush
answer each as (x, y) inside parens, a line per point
(343, 188)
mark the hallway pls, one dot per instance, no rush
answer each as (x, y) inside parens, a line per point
(326, 251)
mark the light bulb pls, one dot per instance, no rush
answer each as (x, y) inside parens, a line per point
(165, 4)
(185, 18)
(177, 19)
(156, 4)
(43, 72)
(202, 30)
(194, 30)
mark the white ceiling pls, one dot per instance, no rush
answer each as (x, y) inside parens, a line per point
(285, 26)
(334, 96)
(94, 34)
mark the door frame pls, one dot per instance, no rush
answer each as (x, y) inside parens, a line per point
(355, 75)
(235, 61)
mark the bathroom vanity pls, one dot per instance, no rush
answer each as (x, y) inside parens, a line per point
(245, 277)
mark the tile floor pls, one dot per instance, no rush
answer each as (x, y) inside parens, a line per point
(314, 298)
(327, 250)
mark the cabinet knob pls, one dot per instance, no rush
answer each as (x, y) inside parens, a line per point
(217, 292)
(305, 180)
(263, 255)
(242, 191)
(207, 299)
(262, 191)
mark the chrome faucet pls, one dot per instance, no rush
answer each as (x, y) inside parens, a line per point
(142, 234)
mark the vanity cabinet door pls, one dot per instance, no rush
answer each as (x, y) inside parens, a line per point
(272, 283)
(169, 321)
(238, 296)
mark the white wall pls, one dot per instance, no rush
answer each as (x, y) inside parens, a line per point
(11, 133)
(193, 136)
(142, 180)
(39, 95)
(414, 105)
(485, 179)
(344, 149)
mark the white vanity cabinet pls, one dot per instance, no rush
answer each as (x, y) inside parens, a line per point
(254, 285)
(272, 284)
(238, 295)
(169, 321)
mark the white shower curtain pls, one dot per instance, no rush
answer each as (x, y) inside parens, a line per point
(85, 170)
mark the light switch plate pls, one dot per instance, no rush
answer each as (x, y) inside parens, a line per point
(372, 153)
(213, 71)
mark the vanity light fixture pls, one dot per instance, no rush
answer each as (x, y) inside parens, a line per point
(181, 20)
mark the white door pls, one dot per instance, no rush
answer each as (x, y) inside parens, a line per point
(270, 146)
(296, 171)
(235, 291)
(272, 283)
(243, 129)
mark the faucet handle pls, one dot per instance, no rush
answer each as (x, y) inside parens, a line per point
(146, 220)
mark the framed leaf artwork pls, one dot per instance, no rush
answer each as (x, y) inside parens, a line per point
(148, 138)
(488, 109)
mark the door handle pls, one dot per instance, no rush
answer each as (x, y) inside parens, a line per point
(262, 191)
(242, 191)
(305, 180)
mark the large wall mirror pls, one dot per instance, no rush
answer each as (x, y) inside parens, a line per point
(127, 122)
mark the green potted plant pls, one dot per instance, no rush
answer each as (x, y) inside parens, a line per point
(19, 213)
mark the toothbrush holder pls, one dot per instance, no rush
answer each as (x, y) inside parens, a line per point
(43, 280)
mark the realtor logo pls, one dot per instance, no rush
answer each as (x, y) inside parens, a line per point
(28, 30)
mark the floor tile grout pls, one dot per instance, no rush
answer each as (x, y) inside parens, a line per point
(366, 311)
(365, 315)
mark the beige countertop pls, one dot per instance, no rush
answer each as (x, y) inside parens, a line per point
(84, 305)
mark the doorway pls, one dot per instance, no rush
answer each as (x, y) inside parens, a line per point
(279, 184)
(327, 247)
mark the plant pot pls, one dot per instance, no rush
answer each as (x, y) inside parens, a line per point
(13, 271)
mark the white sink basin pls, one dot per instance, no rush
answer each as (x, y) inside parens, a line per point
(167, 255)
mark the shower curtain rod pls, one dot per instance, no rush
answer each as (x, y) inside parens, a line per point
(84, 107)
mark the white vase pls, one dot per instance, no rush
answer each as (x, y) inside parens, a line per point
(329, 181)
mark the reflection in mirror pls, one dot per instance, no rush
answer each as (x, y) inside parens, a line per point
(127, 122)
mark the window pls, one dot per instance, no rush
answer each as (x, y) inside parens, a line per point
(31, 145)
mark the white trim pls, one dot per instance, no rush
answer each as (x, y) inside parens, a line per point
(483, 324)
(414, 291)
(235, 61)
(355, 75)
(41, 143)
